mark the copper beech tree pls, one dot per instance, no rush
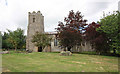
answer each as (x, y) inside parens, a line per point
(98, 40)
(70, 32)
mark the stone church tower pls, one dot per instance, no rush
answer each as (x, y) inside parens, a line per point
(35, 24)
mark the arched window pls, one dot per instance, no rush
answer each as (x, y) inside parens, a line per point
(55, 42)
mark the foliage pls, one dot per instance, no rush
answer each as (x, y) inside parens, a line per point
(110, 25)
(41, 40)
(70, 33)
(5, 43)
(90, 31)
(14, 39)
(98, 40)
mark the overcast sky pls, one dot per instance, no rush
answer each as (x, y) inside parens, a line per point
(14, 13)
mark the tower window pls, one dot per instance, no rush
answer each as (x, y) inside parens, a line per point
(55, 42)
(33, 20)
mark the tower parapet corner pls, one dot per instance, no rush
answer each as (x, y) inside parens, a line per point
(33, 12)
(29, 12)
(38, 12)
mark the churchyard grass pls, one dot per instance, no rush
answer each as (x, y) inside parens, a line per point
(53, 62)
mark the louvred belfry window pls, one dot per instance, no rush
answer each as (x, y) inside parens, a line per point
(33, 20)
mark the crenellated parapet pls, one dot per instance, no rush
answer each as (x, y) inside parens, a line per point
(34, 13)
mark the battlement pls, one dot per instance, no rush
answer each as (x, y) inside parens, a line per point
(34, 13)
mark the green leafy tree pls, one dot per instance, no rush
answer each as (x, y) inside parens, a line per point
(16, 38)
(110, 25)
(5, 43)
(41, 40)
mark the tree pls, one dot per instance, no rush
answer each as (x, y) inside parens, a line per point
(110, 24)
(70, 33)
(5, 43)
(16, 38)
(98, 40)
(41, 40)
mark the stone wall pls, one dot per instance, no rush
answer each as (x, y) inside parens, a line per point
(83, 47)
(53, 47)
(47, 49)
(36, 24)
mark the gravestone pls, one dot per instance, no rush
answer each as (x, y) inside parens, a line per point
(65, 53)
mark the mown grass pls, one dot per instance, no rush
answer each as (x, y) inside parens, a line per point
(53, 62)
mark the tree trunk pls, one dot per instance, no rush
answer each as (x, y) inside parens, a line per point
(15, 48)
(114, 51)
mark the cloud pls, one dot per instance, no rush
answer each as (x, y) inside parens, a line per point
(14, 13)
(119, 6)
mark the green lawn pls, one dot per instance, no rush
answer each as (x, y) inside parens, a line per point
(53, 62)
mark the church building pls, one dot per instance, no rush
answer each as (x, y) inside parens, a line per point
(36, 24)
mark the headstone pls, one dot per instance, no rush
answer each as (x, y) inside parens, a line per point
(4, 52)
(65, 53)
(29, 51)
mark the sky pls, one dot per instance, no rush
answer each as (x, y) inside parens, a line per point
(14, 13)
